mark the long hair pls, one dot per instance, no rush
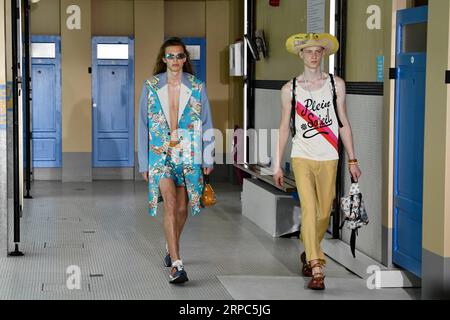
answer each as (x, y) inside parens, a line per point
(161, 67)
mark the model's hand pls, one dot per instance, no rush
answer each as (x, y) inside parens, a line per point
(355, 172)
(145, 176)
(278, 177)
(207, 171)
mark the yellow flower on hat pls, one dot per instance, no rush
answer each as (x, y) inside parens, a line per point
(297, 42)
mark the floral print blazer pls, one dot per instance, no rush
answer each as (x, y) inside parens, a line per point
(194, 120)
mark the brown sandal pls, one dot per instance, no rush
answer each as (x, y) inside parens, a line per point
(306, 269)
(318, 280)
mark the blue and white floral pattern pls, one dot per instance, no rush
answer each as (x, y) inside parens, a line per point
(190, 125)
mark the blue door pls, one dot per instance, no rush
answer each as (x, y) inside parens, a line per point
(46, 101)
(113, 102)
(409, 138)
(197, 50)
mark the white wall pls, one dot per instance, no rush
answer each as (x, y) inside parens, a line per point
(268, 114)
(366, 117)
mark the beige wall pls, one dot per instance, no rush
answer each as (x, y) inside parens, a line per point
(2, 66)
(185, 18)
(436, 188)
(76, 81)
(2, 50)
(45, 17)
(236, 94)
(364, 45)
(147, 15)
(217, 79)
(447, 166)
(210, 19)
(112, 17)
(278, 24)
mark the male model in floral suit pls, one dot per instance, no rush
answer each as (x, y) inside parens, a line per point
(173, 154)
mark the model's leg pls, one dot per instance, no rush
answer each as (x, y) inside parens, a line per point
(326, 193)
(181, 210)
(305, 181)
(325, 188)
(169, 194)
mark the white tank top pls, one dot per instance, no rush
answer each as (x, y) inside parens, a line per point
(317, 127)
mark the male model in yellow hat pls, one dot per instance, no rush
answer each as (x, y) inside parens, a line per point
(313, 107)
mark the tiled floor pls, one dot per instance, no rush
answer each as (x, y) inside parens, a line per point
(104, 229)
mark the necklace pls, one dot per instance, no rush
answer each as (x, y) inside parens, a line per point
(308, 82)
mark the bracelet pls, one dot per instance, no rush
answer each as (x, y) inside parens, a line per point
(352, 162)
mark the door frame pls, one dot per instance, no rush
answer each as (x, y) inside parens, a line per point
(414, 15)
(58, 88)
(197, 41)
(95, 91)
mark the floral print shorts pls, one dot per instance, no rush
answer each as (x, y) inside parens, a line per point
(173, 169)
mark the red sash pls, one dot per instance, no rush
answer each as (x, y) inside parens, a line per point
(322, 129)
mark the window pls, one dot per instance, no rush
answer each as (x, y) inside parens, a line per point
(112, 51)
(43, 50)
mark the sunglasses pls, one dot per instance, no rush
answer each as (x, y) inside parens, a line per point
(171, 56)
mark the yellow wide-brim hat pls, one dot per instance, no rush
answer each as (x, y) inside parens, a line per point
(299, 41)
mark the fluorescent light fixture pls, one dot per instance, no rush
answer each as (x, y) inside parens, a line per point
(333, 32)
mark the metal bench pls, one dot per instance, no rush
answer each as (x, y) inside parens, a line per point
(261, 172)
(270, 207)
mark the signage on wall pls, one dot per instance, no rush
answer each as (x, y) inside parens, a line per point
(73, 21)
(316, 16)
(380, 68)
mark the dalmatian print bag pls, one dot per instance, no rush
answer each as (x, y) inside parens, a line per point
(355, 213)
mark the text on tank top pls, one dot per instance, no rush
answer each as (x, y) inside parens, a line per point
(317, 127)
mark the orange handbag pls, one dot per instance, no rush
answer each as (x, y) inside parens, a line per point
(209, 196)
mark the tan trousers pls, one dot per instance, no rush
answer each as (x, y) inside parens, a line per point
(316, 183)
